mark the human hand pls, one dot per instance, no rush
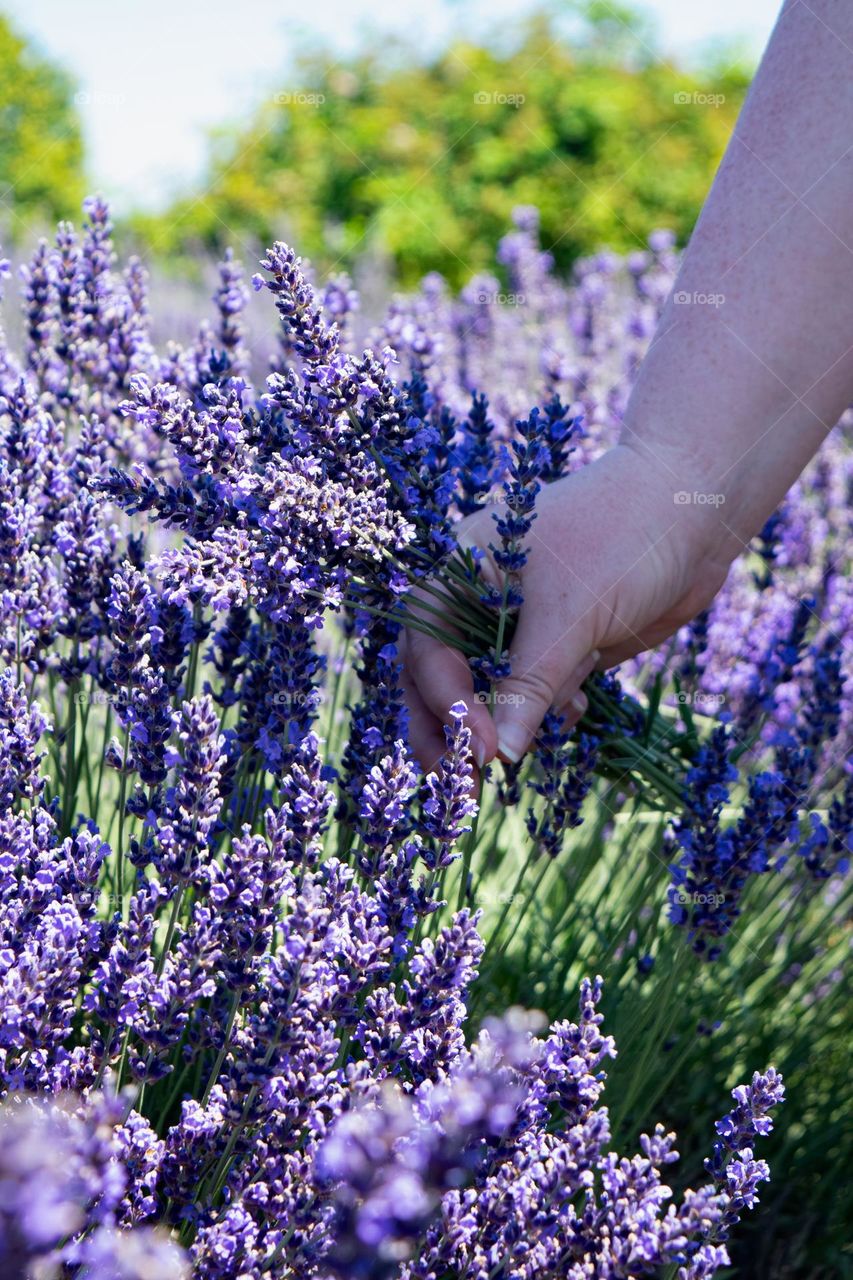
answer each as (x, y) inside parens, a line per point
(615, 565)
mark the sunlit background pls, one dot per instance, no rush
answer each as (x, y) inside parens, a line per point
(356, 129)
(154, 76)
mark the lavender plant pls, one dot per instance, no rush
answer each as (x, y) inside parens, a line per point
(251, 963)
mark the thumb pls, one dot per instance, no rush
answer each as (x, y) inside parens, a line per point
(543, 667)
(442, 677)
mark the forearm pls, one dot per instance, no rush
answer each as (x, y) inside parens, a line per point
(753, 360)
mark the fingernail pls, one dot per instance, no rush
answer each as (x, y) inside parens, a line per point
(595, 655)
(512, 742)
(580, 702)
(478, 751)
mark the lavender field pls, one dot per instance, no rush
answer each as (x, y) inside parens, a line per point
(274, 1001)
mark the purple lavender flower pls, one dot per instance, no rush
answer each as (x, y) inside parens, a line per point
(132, 1255)
(21, 728)
(383, 812)
(448, 803)
(732, 1163)
(39, 310)
(782, 655)
(565, 777)
(524, 469)
(558, 430)
(96, 260)
(149, 717)
(59, 1174)
(829, 846)
(264, 1046)
(380, 716)
(312, 338)
(291, 695)
(230, 298)
(390, 1162)
(424, 1029)
(340, 300)
(476, 455)
(43, 1200)
(186, 819)
(131, 613)
(67, 285)
(296, 828)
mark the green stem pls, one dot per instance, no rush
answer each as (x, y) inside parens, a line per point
(468, 851)
(664, 1015)
(170, 931)
(495, 933)
(217, 1066)
(122, 802)
(70, 792)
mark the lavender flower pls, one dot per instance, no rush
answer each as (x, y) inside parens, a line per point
(58, 1171)
(312, 339)
(21, 728)
(565, 778)
(520, 490)
(189, 811)
(262, 1051)
(230, 299)
(448, 803)
(38, 306)
(829, 846)
(476, 457)
(732, 1161)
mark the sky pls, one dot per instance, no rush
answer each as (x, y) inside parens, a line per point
(155, 76)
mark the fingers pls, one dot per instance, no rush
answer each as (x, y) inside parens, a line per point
(570, 693)
(435, 676)
(615, 654)
(539, 681)
(572, 712)
(441, 676)
(572, 703)
(426, 733)
(619, 653)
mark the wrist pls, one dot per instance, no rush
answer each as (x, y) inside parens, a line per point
(727, 434)
(686, 505)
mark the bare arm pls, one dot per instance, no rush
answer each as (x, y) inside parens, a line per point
(753, 362)
(733, 398)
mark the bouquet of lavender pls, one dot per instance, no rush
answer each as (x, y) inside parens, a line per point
(432, 468)
(234, 996)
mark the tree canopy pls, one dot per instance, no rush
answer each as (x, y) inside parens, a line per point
(424, 159)
(41, 147)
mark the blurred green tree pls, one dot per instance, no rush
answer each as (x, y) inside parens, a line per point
(41, 147)
(424, 160)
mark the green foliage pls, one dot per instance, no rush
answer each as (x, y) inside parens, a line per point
(425, 160)
(41, 148)
(775, 996)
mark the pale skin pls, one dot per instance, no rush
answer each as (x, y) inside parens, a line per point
(732, 400)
